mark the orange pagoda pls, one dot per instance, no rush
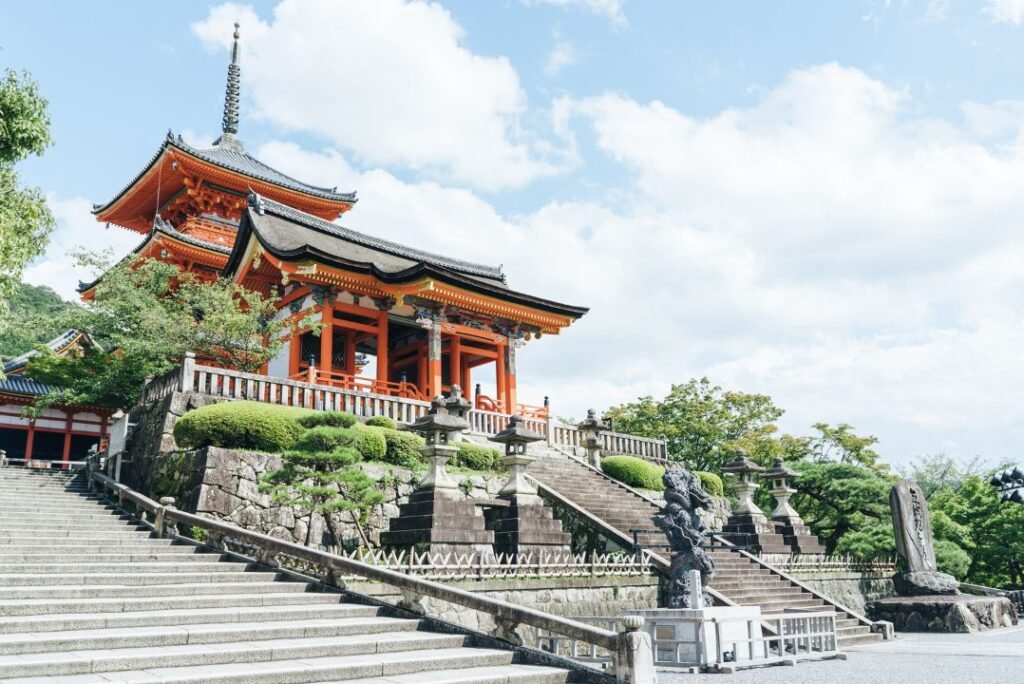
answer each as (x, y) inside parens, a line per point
(398, 321)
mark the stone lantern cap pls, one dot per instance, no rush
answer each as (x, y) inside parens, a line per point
(780, 469)
(741, 464)
(592, 422)
(438, 420)
(456, 403)
(516, 433)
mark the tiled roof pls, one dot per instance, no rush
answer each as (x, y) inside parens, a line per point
(17, 384)
(57, 344)
(263, 205)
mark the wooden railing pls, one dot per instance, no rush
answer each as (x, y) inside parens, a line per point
(356, 383)
(632, 657)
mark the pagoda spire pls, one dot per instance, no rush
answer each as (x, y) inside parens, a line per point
(229, 124)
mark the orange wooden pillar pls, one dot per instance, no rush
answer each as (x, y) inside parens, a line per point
(499, 377)
(350, 352)
(294, 352)
(467, 377)
(455, 361)
(510, 397)
(66, 453)
(383, 372)
(30, 440)
(327, 339)
(434, 380)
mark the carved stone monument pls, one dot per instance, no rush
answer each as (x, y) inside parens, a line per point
(929, 600)
(912, 524)
(685, 529)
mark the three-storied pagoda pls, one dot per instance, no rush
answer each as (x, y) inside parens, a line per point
(423, 321)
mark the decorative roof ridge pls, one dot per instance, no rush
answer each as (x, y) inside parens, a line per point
(57, 344)
(262, 205)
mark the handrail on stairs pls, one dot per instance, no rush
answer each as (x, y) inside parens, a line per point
(630, 650)
(883, 628)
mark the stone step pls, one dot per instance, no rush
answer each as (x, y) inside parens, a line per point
(50, 526)
(174, 565)
(179, 617)
(149, 658)
(208, 633)
(14, 518)
(103, 541)
(49, 606)
(73, 547)
(130, 578)
(228, 584)
(508, 674)
(87, 555)
(127, 531)
(385, 667)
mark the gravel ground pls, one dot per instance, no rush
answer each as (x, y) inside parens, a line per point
(985, 657)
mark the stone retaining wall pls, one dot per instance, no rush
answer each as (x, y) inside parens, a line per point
(566, 597)
(851, 589)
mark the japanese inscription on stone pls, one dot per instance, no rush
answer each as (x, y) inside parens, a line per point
(912, 526)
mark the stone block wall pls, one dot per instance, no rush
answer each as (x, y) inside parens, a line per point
(851, 589)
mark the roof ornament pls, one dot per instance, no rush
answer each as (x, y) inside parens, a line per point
(229, 124)
(256, 202)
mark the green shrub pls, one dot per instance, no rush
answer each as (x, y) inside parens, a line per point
(403, 448)
(712, 483)
(951, 559)
(370, 442)
(332, 418)
(475, 457)
(324, 438)
(634, 472)
(240, 425)
(381, 421)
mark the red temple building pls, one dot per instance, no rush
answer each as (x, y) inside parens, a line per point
(398, 321)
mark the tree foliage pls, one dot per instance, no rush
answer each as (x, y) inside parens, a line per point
(34, 317)
(703, 423)
(145, 317)
(25, 220)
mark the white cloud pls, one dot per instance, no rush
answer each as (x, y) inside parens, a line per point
(827, 246)
(391, 82)
(1005, 11)
(937, 10)
(76, 230)
(610, 9)
(562, 54)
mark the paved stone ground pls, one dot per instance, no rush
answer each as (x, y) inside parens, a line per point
(985, 657)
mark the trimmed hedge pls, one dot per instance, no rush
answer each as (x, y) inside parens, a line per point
(475, 457)
(634, 472)
(370, 442)
(332, 418)
(712, 483)
(381, 421)
(324, 438)
(403, 448)
(241, 425)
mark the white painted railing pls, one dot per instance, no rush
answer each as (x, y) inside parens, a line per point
(491, 423)
(799, 563)
(647, 448)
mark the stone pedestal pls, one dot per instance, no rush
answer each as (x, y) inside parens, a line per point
(960, 614)
(439, 521)
(798, 536)
(695, 628)
(526, 526)
(756, 532)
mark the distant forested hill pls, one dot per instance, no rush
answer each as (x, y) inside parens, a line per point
(33, 318)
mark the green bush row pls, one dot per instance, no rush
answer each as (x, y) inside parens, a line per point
(712, 483)
(634, 472)
(241, 425)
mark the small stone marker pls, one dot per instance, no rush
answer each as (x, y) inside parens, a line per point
(694, 589)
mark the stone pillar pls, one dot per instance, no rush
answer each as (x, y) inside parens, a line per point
(437, 518)
(591, 430)
(525, 526)
(748, 525)
(787, 521)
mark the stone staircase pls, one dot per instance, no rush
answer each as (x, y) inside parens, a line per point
(738, 578)
(88, 595)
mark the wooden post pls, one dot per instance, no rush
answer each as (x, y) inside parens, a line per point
(434, 360)
(383, 358)
(30, 441)
(455, 360)
(467, 377)
(294, 353)
(510, 379)
(327, 340)
(66, 453)
(499, 378)
(350, 352)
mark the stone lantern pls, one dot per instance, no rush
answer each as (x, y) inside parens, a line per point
(748, 526)
(787, 521)
(437, 518)
(521, 523)
(744, 485)
(516, 437)
(590, 431)
(438, 428)
(457, 405)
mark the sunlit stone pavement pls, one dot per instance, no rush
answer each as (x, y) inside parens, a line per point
(988, 657)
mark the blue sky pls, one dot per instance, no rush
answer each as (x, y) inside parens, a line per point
(816, 200)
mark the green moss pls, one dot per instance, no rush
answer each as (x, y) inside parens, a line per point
(241, 425)
(381, 421)
(712, 483)
(634, 472)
